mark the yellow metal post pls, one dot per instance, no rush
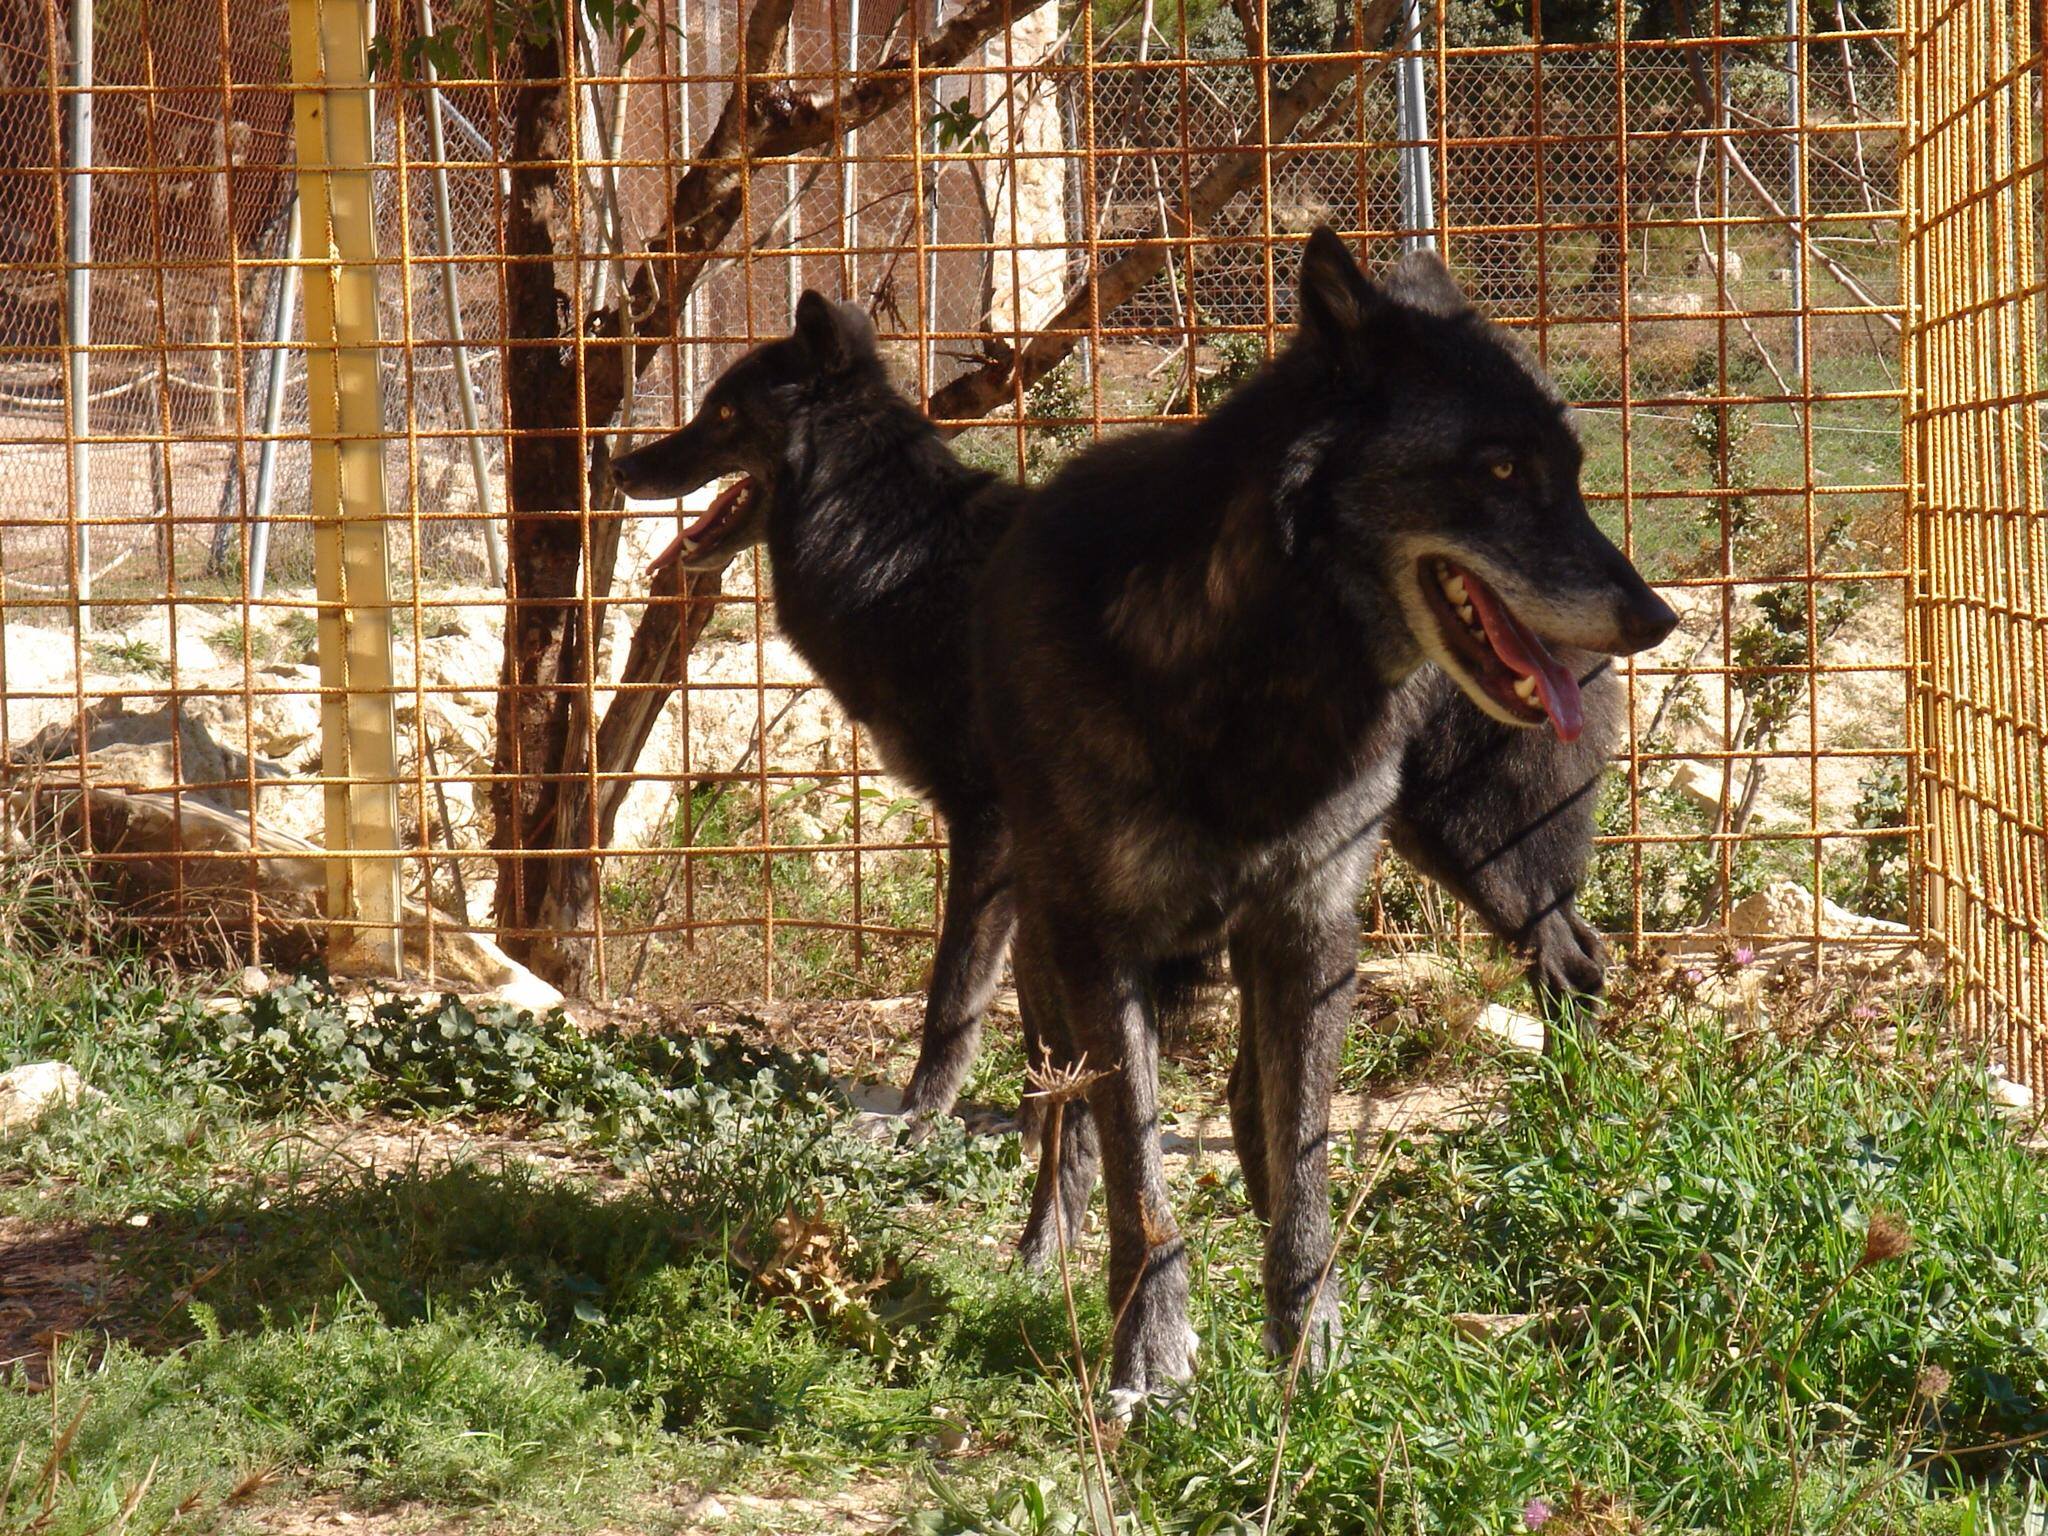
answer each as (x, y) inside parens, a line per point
(336, 144)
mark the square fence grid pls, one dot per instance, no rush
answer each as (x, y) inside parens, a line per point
(1786, 262)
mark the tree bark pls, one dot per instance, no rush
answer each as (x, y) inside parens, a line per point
(546, 818)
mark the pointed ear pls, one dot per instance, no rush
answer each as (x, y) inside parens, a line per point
(836, 335)
(1422, 281)
(1337, 300)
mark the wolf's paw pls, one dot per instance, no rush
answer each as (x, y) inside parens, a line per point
(1165, 1387)
(1039, 1248)
(1155, 1348)
(1324, 1347)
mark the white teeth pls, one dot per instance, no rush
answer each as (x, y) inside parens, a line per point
(1525, 690)
(1454, 589)
(1465, 612)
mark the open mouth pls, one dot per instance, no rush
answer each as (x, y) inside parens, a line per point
(710, 526)
(1500, 653)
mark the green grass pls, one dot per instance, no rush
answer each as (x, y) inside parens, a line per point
(458, 1410)
(1696, 1213)
(141, 656)
(737, 1282)
(817, 905)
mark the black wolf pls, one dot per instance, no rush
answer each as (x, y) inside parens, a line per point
(1193, 651)
(877, 536)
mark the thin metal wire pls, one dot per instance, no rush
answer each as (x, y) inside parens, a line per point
(1570, 196)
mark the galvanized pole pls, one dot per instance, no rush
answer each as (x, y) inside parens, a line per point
(686, 351)
(1411, 110)
(78, 302)
(793, 268)
(451, 309)
(1795, 113)
(284, 305)
(849, 161)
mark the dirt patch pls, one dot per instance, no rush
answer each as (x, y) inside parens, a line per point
(302, 1514)
(53, 1284)
(379, 1144)
(866, 1506)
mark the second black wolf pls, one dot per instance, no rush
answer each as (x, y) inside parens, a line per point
(1194, 657)
(877, 535)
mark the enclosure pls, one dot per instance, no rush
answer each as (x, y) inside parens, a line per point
(266, 426)
(326, 634)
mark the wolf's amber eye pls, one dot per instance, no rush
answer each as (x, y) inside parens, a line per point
(725, 413)
(1503, 469)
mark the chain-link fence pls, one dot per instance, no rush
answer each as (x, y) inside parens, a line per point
(1063, 220)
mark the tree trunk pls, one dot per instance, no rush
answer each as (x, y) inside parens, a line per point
(544, 468)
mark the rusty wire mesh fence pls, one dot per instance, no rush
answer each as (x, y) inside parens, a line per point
(1064, 219)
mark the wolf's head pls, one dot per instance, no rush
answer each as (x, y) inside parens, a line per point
(743, 428)
(1454, 480)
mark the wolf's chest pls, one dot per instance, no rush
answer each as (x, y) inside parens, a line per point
(1181, 881)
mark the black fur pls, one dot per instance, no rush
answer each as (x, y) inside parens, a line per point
(1194, 654)
(1502, 818)
(876, 534)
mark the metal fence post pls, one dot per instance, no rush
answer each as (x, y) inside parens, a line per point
(336, 145)
(78, 303)
(284, 305)
(1411, 106)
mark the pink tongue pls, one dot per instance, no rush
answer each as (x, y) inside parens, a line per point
(1526, 656)
(721, 504)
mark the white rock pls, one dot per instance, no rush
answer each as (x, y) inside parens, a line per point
(1409, 970)
(1515, 1029)
(473, 965)
(254, 981)
(1703, 264)
(1786, 910)
(29, 1092)
(2010, 1094)
(1699, 783)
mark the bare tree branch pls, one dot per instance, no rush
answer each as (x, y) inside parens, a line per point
(1711, 118)
(763, 119)
(974, 395)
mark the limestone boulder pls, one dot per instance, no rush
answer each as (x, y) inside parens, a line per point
(33, 1090)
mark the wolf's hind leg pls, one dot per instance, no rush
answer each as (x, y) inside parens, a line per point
(1247, 1120)
(1069, 1171)
(973, 935)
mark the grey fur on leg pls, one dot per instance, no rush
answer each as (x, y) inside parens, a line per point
(1078, 1163)
(1296, 970)
(1247, 1122)
(1110, 1020)
(1078, 1156)
(973, 936)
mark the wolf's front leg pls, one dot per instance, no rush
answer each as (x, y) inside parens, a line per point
(973, 935)
(1296, 964)
(1109, 1011)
